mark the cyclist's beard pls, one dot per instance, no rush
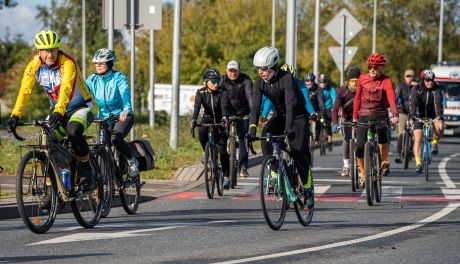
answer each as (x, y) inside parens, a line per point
(352, 88)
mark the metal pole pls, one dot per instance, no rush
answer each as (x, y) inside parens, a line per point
(316, 45)
(83, 38)
(110, 31)
(441, 29)
(174, 132)
(273, 21)
(342, 66)
(152, 80)
(290, 34)
(133, 57)
(374, 28)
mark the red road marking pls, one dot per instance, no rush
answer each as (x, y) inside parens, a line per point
(185, 195)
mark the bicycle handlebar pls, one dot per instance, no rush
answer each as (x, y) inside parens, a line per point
(192, 130)
(368, 124)
(33, 123)
(107, 119)
(236, 118)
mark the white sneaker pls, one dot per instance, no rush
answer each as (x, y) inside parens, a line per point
(133, 169)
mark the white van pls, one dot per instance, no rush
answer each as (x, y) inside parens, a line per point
(448, 78)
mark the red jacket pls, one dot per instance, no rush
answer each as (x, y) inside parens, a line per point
(373, 96)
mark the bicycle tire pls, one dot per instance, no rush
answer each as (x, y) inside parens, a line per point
(87, 206)
(35, 219)
(233, 170)
(273, 199)
(407, 139)
(353, 172)
(377, 179)
(208, 172)
(106, 168)
(304, 214)
(130, 188)
(368, 166)
(426, 159)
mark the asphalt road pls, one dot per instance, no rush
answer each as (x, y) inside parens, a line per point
(417, 222)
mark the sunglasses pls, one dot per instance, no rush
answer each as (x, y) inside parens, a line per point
(429, 80)
(409, 76)
(215, 81)
(264, 68)
(373, 67)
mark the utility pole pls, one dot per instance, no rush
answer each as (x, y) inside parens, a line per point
(290, 32)
(316, 45)
(174, 132)
(374, 28)
(133, 56)
(152, 80)
(441, 29)
(83, 38)
(110, 29)
(273, 21)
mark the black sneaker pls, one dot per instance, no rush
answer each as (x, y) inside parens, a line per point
(45, 203)
(329, 146)
(87, 174)
(398, 159)
(434, 149)
(385, 168)
(244, 173)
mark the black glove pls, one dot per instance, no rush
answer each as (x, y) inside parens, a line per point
(192, 124)
(252, 131)
(12, 123)
(55, 120)
(324, 115)
(290, 134)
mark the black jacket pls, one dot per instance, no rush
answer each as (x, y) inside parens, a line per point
(316, 97)
(239, 93)
(283, 93)
(426, 103)
(214, 104)
(403, 97)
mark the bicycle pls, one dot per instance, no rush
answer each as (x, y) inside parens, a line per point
(322, 138)
(312, 119)
(39, 174)
(426, 144)
(233, 149)
(276, 193)
(114, 168)
(354, 168)
(372, 160)
(213, 175)
(407, 144)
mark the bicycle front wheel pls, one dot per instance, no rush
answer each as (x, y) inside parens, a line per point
(322, 142)
(106, 168)
(209, 171)
(33, 184)
(353, 167)
(426, 159)
(407, 140)
(272, 194)
(377, 177)
(233, 163)
(87, 205)
(304, 213)
(368, 168)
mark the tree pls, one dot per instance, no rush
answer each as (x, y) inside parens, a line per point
(7, 3)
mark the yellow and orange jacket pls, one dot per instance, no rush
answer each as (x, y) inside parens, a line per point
(62, 82)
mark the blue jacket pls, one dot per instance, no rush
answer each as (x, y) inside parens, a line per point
(111, 93)
(303, 88)
(329, 96)
(266, 106)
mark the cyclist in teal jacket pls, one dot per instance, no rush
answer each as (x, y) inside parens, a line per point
(326, 107)
(112, 94)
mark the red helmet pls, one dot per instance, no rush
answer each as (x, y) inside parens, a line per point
(427, 74)
(376, 59)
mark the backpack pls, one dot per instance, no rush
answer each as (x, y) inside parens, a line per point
(144, 154)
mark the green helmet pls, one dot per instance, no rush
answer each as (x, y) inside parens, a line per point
(46, 39)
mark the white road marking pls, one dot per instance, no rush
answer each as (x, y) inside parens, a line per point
(443, 173)
(348, 181)
(391, 194)
(453, 194)
(247, 183)
(325, 169)
(436, 216)
(320, 189)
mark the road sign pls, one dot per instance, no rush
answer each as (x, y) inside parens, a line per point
(336, 53)
(334, 27)
(148, 14)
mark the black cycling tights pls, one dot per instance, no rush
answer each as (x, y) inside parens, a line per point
(74, 131)
(220, 139)
(300, 143)
(361, 134)
(118, 132)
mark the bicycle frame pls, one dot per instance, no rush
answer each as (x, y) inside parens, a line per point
(427, 140)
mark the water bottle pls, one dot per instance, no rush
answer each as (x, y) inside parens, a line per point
(65, 175)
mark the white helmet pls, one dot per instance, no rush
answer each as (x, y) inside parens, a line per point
(266, 57)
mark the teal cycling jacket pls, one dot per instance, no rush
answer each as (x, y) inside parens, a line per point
(329, 96)
(111, 93)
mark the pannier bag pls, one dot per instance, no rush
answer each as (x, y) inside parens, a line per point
(144, 154)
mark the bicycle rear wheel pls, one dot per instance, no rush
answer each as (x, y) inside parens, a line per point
(130, 188)
(322, 142)
(31, 188)
(368, 168)
(377, 177)
(407, 140)
(353, 167)
(233, 170)
(303, 212)
(87, 205)
(272, 194)
(312, 148)
(105, 166)
(209, 172)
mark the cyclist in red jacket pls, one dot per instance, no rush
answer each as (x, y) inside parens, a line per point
(373, 96)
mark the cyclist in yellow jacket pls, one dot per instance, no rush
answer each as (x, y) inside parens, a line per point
(71, 106)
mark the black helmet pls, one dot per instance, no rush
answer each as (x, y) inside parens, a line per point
(310, 76)
(323, 78)
(211, 74)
